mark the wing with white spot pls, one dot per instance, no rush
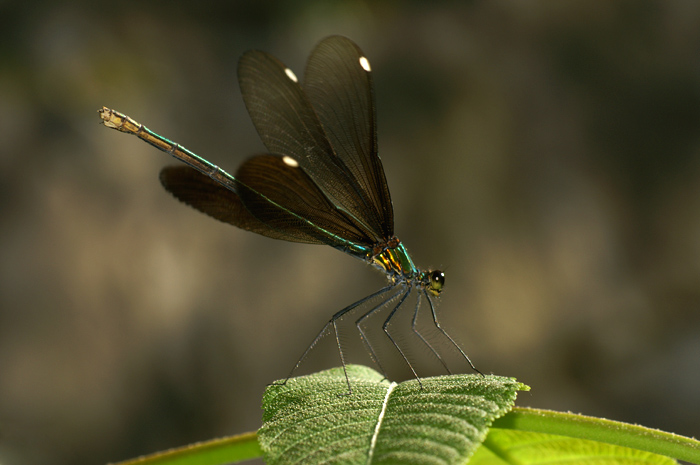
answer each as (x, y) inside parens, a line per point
(273, 197)
(288, 124)
(338, 82)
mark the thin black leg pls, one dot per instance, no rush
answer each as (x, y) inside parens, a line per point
(385, 327)
(363, 336)
(332, 321)
(437, 325)
(425, 341)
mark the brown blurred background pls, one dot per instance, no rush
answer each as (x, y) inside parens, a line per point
(546, 154)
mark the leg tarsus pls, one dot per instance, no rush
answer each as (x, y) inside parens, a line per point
(425, 341)
(437, 325)
(318, 337)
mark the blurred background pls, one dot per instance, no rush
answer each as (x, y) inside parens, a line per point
(545, 154)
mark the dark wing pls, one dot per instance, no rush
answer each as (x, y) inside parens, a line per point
(288, 125)
(338, 83)
(208, 196)
(271, 198)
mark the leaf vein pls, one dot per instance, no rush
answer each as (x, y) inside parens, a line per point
(373, 442)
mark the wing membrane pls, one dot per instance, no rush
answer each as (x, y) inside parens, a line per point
(287, 123)
(341, 93)
(208, 196)
(285, 198)
(272, 198)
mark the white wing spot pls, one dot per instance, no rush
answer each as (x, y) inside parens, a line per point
(289, 161)
(364, 62)
(290, 74)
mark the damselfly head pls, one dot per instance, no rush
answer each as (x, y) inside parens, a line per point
(436, 281)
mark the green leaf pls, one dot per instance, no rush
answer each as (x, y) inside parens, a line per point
(503, 447)
(214, 452)
(599, 430)
(309, 420)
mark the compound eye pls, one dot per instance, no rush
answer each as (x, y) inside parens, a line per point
(437, 281)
